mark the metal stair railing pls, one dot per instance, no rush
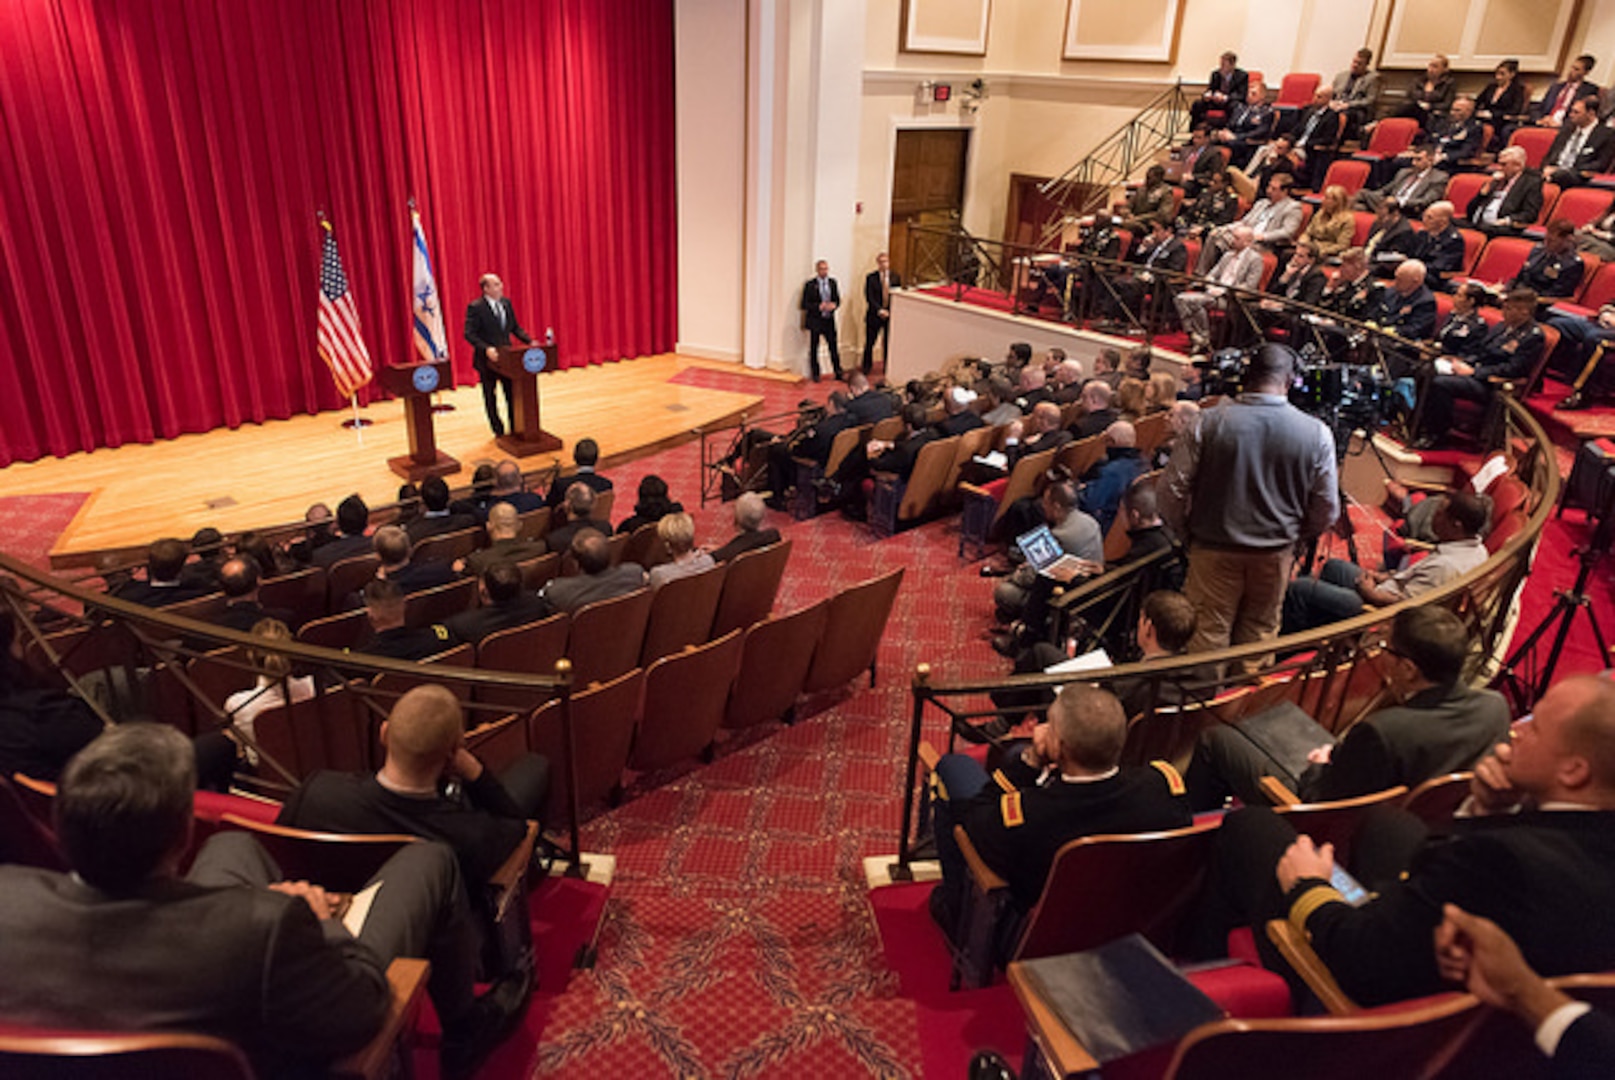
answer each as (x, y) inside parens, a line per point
(1155, 128)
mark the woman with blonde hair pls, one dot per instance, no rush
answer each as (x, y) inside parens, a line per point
(1161, 392)
(275, 681)
(1333, 226)
(677, 531)
(1132, 399)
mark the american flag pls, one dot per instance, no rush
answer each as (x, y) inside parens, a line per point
(339, 340)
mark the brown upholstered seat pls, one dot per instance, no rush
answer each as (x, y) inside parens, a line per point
(645, 547)
(435, 605)
(534, 524)
(301, 592)
(681, 613)
(606, 637)
(532, 649)
(390, 687)
(347, 577)
(540, 570)
(446, 547)
(775, 655)
(342, 631)
(852, 631)
(899, 502)
(339, 862)
(685, 697)
(498, 743)
(23, 839)
(750, 587)
(603, 731)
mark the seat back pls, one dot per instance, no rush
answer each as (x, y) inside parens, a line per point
(1364, 223)
(603, 731)
(1550, 196)
(302, 593)
(1080, 456)
(842, 445)
(1348, 173)
(1270, 265)
(446, 547)
(23, 839)
(750, 587)
(890, 429)
(436, 604)
(1474, 244)
(1434, 801)
(1600, 287)
(606, 637)
(217, 674)
(105, 1055)
(1296, 89)
(1150, 431)
(534, 524)
(392, 686)
(681, 613)
(347, 577)
(1462, 188)
(685, 697)
(1391, 136)
(852, 631)
(336, 631)
(532, 649)
(1023, 479)
(973, 443)
(82, 650)
(1504, 531)
(775, 656)
(931, 467)
(1535, 142)
(499, 743)
(1336, 822)
(1581, 205)
(645, 547)
(339, 862)
(1150, 881)
(1502, 259)
(540, 570)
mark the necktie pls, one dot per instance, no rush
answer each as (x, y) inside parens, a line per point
(1407, 186)
(1572, 150)
(885, 290)
(498, 311)
(1563, 103)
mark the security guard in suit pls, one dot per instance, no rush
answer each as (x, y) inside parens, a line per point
(1065, 784)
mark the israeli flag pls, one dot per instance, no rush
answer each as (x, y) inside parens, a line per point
(427, 305)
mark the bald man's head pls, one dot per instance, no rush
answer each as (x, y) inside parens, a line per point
(423, 730)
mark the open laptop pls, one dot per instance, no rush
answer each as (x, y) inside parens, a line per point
(1046, 556)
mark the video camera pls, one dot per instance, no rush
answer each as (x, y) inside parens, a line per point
(1346, 397)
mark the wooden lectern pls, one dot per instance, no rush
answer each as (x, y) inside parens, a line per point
(416, 383)
(521, 364)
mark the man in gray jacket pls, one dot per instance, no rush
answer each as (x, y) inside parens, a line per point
(1357, 91)
(598, 580)
(1274, 222)
(1240, 268)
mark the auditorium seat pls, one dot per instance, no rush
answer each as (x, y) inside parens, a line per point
(499, 743)
(1434, 801)
(681, 613)
(685, 695)
(1474, 244)
(1334, 822)
(1461, 191)
(301, 592)
(533, 525)
(540, 570)
(775, 656)
(808, 472)
(897, 502)
(1150, 881)
(1296, 90)
(446, 547)
(332, 730)
(1579, 205)
(1535, 142)
(532, 649)
(603, 722)
(390, 686)
(347, 577)
(342, 631)
(750, 587)
(1501, 260)
(1150, 431)
(1598, 290)
(337, 862)
(852, 632)
(435, 605)
(606, 637)
(1080, 456)
(974, 443)
(1550, 198)
(645, 547)
(1391, 136)
(984, 507)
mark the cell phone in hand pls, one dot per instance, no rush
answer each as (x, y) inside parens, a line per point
(1348, 887)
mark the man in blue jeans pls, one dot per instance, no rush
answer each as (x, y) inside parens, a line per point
(1342, 589)
(1063, 784)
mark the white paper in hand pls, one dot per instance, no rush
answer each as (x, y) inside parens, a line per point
(353, 919)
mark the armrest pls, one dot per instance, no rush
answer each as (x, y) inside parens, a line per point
(505, 880)
(1275, 790)
(407, 978)
(928, 755)
(984, 878)
(976, 490)
(884, 479)
(1297, 951)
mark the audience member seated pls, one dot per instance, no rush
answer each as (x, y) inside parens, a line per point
(1317, 135)
(1457, 137)
(476, 504)
(163, 584)
(1078, 535)
(1039, 432)
(1273, 222)
(1343, 589)
(1107, 367)
(272, 560)
(1225, 87)
(436, 516)
(1098, 412)
(1533, 849)
(1502, 102)
(1160, 250)
(1579, 337)
(384, 606)
(597, 578)
(315, 536)
(1429, 95)
(749, 532)
(1108, 480)
(1440, 247)
(579, 519)
(1250, 124)
(1301, 281)
(1153, 202)
(1554, 108)
(1417, 184)
(504, 543)
(231, 950)
(414, 791)
(1333, 225)
(1598, 237)
(1197, 162)
(811, 440)
(1280, 157)
(1510, 201)
(40, 727)
(1407, 307)
(896, 456)
(1464, 326)
(510, 487)
(864, 405)
(1390, 239)
(394, 550)
(274, 680)
(1439, 725)
(1182, 420)
(1131, 399)
(1553, 269)
(653, 505)
(995, 400)
(584, 457)
(1217, 205)
(960, 417)
(1240, 268)
(1357, 92)
(352, 519)
(207, 553)
(238, 578)
(1064, 784)
(1583, 147)
(677, 532)
(1509, 351)
(505, 604)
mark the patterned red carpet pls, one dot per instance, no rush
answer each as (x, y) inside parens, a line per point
(737, 940)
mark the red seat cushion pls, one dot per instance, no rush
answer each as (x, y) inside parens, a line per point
(212, 806)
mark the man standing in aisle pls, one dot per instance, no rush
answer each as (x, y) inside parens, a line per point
(821, 296)
(878, 286)
(490, 323)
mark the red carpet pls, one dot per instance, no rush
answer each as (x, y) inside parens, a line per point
(738, 939)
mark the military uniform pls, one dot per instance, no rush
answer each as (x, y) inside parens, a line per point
(1460, 334)
(1019, 818)
(1455, 142)
(1412, 317)
(1506, 352)
(411, 642)
(1442, 253)
(1550, 275)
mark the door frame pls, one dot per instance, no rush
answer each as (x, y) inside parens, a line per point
(889, 172)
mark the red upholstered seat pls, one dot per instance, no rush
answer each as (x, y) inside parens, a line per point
(1461, 190)
(1349, 173)
(1501, 260)
(1297, 89)
(1391, 136)
(1535, 142)
(1598, 289)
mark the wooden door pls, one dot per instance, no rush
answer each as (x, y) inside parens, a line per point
(928, 183)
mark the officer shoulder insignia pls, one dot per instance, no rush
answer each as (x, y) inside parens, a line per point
(1002, 781)
(1174, 782)
(1010, 806)
(441, 631)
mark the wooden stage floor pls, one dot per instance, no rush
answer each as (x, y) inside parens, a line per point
(267, 474)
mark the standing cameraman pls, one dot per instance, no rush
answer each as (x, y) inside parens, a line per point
(1271, 482)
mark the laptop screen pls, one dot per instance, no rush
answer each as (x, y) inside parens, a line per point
(1040, 547)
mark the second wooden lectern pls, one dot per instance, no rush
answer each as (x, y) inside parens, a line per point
(416, 383)
(522, 364)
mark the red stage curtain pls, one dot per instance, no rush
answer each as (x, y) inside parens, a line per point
(161, 164)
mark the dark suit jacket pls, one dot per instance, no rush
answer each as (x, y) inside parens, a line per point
(1212, 159)
(416, 577)
(1308, 287)
(1421, 194)
(1438, 731)
(1390, 243)
(425, 526)
(1544, 105)
(811, 300)
(1521, 205)
(1457, 142)
(1236, 85)
(1413, 316)
(247, 965)
(524, 501)
(146, 594)
(587, 477)
(1556, 276)
(1596, 152)
(1587, 1048)
(1538, 875)
(560, 539)
(343, 547)
(571, 593)
(1506, 352)
(478, 623)
(904, 452)
(1169, 255)
(482, 329)
(743, 542)
(870, 406)
(815, 445)
(1441, 253)
(1316, 128)
(872, 292)
(961, 422)
(245, 615)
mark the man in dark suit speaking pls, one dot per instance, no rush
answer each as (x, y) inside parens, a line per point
(878, 287)
(821, 296)
(490, 323)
